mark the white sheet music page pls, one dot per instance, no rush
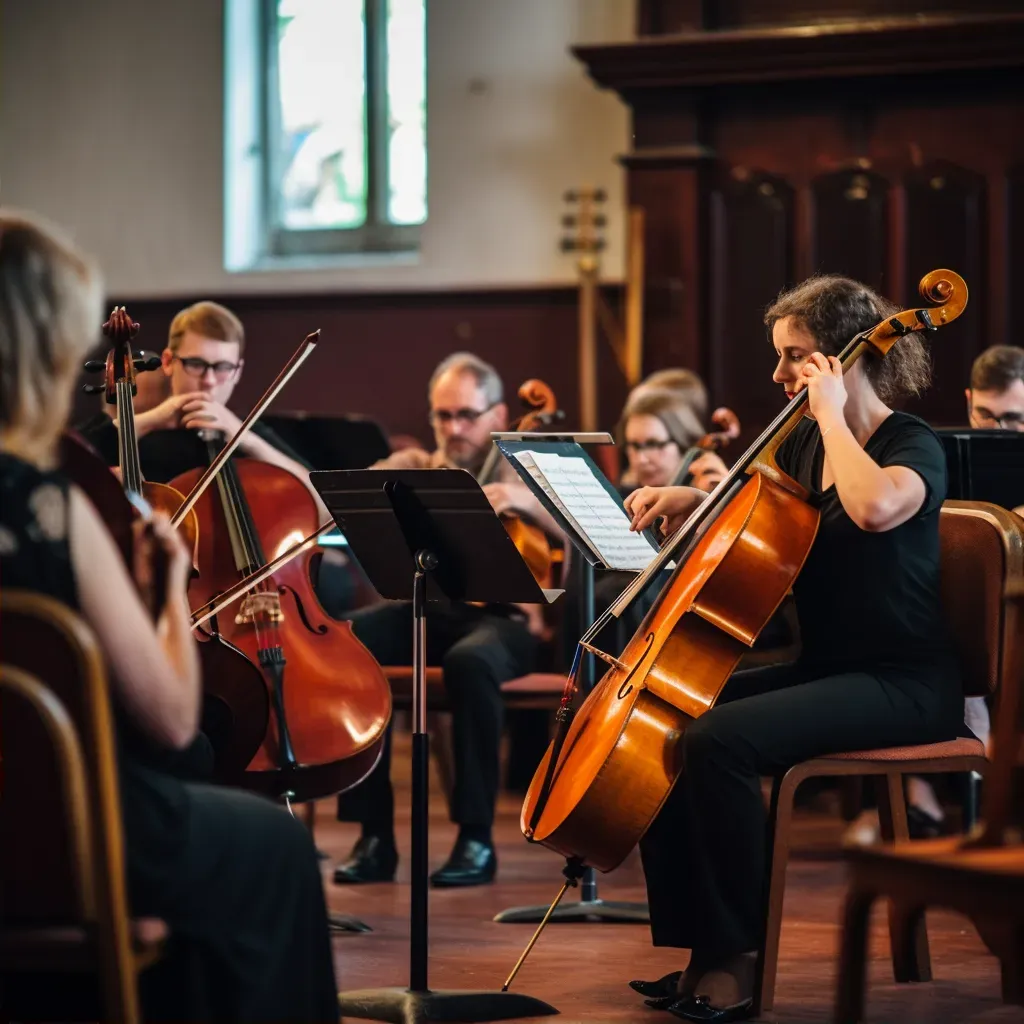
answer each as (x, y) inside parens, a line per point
(583, 500)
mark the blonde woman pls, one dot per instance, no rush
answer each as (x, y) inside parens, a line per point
(235, 878)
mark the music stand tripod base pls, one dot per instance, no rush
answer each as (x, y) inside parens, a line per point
(580, 912)
(403, 1006)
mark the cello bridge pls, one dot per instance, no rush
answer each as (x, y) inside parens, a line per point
(264, 606)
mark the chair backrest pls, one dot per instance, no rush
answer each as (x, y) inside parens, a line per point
(62, 861)
(977, 559)
(983, 598)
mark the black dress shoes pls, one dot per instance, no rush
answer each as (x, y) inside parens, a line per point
(372, 859)
(699, 1008)
(471, 862)
(665, 986)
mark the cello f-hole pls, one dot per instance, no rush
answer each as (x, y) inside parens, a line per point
(625, 687)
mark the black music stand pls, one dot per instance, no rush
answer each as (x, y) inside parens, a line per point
(589, 907)
(424, 534)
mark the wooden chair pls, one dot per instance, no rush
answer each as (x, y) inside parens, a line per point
(62, 864)
(981, 566)
(980, 875)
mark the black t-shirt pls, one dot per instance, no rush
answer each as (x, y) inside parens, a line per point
(165, 454)
(871, 601)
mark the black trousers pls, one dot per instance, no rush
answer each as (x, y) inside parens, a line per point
(705, 854)
(478, 650)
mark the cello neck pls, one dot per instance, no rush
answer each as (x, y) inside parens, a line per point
(127, 439)
(245, 541)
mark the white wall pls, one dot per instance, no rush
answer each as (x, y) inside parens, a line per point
(111, 124)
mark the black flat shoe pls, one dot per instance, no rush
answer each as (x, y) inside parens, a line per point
(699, 1008)
(470, 863)
(371, 860)
(660, 989)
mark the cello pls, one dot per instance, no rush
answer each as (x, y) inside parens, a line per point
(235, 704)
(330, 701)
(530, 540)
(614, 761)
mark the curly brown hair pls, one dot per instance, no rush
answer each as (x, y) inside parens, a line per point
(832, 309)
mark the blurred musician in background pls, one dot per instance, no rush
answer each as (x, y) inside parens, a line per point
(479, 648)
(995, 398)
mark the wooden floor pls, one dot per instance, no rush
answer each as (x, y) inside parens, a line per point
(583, 969)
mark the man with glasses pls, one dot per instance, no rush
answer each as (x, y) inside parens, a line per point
(478, 648)
(202, 364)
(995, 398)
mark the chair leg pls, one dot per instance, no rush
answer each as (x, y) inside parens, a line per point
(780, 818)
(1006, 942)
(849, 1005)
(908, 935)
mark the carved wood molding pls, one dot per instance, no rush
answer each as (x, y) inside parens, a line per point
(862, 48)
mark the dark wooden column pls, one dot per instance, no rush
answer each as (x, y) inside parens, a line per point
(766, 149)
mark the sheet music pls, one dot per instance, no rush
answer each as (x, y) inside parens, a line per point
(595, 515)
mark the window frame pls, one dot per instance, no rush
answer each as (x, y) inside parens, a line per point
(376, 234)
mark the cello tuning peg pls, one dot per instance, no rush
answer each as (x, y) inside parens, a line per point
(600, 220)
(95, 366)
(145, 362)
(93, 389)
(568, 220)
(600, 195)
(570, 195)
(566, 245)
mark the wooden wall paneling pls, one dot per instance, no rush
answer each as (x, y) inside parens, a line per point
(946, 226)
(850, 223)
(664, 17)
(377, 350)
(750, 262)
(1012, 282)
(669, 191)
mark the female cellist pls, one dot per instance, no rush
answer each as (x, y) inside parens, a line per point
(235, 878)
(876, 668)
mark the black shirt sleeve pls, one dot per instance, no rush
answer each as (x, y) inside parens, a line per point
(917, 447)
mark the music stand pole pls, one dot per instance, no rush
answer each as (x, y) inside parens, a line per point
(438, 521)
(590, 906)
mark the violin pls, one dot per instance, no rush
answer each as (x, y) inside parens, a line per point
(614, 760)
(235, 704)
(530, 540)
(713, 441)
(330, 701)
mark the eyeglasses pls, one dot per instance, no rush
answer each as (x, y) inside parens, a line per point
(196, 367)
(437, 417)
(983, 418)
(647, 446)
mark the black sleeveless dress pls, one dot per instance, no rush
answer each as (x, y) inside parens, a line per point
(235, 877)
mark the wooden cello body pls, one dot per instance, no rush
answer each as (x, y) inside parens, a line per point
(624, 741)
(329, 698)
(615, 759)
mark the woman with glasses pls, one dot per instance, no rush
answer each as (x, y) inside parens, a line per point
(656, 430)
